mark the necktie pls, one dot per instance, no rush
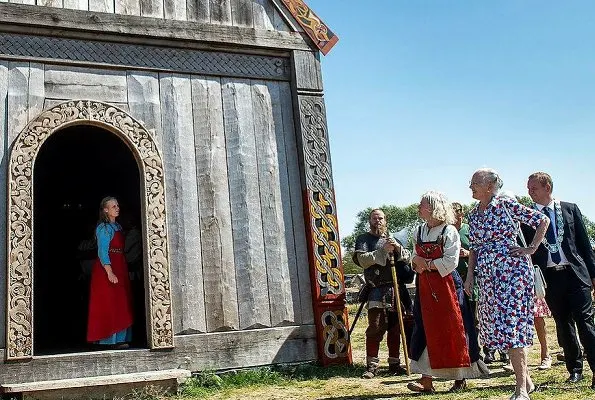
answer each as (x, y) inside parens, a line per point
(550, 236)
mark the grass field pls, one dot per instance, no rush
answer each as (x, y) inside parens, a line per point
(344, 383)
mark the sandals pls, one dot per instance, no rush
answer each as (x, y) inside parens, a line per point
(419, 388)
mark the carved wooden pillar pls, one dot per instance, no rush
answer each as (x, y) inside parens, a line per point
(324, 251)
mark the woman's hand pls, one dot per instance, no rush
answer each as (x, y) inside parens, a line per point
(517, 251)
(420, 264)
(468, 286)
(110, 274)
(464, 253)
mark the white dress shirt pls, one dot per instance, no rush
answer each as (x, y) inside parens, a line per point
(452, 246)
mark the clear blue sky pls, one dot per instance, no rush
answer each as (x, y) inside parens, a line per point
(422, 93)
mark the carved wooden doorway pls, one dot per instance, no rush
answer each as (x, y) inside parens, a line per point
(74, 169)
(21, 214)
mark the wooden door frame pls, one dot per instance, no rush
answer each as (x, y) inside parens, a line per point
(20, 217)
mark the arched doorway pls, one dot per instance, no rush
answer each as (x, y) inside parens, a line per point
(74, 169)
(21, 213)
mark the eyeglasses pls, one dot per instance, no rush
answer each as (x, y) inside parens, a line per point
(471, 183)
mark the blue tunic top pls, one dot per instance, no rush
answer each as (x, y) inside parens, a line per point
(105, 233)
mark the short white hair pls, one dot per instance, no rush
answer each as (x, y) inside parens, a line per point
(490, 176)
(441, 207)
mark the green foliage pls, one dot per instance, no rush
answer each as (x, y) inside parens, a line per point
(397, 218)
(590, 225)
(349, 267)
(406, 217)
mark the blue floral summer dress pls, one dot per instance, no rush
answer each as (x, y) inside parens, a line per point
(506, 283)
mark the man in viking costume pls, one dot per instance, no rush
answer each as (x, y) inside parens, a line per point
(372, 250)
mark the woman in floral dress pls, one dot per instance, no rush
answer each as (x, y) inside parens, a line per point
(502, 271)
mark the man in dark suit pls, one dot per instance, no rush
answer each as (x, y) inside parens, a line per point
(568, 264)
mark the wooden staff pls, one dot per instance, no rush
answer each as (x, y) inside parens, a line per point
(391, 260)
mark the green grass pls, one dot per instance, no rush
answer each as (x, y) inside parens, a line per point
(207, 383)
(311, 381)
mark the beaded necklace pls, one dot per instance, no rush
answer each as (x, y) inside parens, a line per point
(555, 247)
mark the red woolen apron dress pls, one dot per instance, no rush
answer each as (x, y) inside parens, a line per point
(441, 313)
(110, 305)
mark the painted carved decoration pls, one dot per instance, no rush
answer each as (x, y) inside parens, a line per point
(335, 334)
(322, 210)
(323, 233)
(322, 36)
(20, 222)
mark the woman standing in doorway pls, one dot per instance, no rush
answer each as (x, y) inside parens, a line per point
(110, 302)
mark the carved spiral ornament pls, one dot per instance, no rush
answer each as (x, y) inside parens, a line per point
(322, 209)
(20, 222)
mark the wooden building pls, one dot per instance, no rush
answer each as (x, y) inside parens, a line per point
(206, 119)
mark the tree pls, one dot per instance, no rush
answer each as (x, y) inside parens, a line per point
(399, 218)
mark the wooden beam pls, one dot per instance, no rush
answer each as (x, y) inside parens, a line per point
(222, 350)
(135, 29)
(179, 375)
(3, 187)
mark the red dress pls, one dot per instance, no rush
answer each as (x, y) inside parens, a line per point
(110, 305)
(441, 313)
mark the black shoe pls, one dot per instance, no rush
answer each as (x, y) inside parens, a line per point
(560, 357)
(490, 357)
(504, 357)
(396, 369)
(575, 377)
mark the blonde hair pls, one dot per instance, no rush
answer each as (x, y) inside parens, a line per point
(543, 178)
(441, 208)
(103, 218)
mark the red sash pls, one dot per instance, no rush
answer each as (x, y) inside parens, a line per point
(441, 314)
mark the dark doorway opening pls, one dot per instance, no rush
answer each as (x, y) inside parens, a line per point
(75, 168)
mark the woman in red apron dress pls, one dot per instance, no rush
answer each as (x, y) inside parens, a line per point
(444, 341)
(110, 302)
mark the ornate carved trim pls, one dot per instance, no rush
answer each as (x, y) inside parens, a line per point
(318, 31)
(322, 209)
(143, 56)
(335, 343)
(19, 327)
(326, 271)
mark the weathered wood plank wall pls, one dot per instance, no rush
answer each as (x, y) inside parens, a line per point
(4, 66)
(144, 102)
(258, 14)
(234, 202)
(221, 300)
(182, 199)
(244, 189)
